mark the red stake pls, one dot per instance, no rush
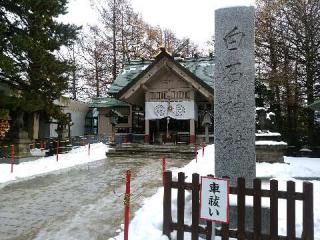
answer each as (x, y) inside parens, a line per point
(57, 150)
(203, 147)
(196, 152)
(89, 149)
(164, 166)
(41, 146)
(12, 157)
(126, 202)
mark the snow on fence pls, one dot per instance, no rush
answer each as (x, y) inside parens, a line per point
(241, 191)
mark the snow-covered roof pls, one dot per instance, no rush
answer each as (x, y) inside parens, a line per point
(201, 67)
(106, 102)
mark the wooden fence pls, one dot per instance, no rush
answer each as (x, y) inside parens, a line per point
(241, 191)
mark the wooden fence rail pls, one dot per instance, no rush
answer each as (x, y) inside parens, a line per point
(241, 191)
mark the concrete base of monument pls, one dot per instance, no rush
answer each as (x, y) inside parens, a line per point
(265, 219)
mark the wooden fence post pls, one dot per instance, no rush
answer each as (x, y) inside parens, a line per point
(308, 222)
(273, 209)
(167, 219)
(241, 204)
(257, 209)
(225, 231)
(209, 230)
(180, 208)
(195, 206)
(291, 210)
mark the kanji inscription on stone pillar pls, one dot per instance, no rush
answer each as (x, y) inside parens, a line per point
(234, 104)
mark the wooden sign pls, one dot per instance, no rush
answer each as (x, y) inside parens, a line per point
(214, 199)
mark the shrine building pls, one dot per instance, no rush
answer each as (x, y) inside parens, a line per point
(157, 101)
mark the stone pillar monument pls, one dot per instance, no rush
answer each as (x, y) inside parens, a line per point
(234, 104)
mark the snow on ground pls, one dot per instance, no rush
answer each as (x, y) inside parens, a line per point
(147, 222)
(44, 165)
(293, 167)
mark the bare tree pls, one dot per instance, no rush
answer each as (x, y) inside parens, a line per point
(288, 41)
(95, 59)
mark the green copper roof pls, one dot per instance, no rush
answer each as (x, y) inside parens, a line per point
(315, 106)
(106, 102)
(200, 67)
(128, 73)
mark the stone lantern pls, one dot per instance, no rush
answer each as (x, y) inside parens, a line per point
(4, 122)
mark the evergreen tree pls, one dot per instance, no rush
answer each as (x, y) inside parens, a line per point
(30, 36)
(287, 51)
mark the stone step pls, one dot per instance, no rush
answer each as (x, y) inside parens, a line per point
(145, 150)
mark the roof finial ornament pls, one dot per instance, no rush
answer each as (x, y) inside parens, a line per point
(162, 48)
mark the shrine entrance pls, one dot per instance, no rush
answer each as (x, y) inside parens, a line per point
(169, 130)
(169, 94)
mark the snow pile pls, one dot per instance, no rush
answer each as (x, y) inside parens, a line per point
(147, 222)
(268, 134)
(293, 167)
(269, 143)
(37, 152)
(270, 114)
(48, 164)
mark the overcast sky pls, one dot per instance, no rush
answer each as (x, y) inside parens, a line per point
(187, 18)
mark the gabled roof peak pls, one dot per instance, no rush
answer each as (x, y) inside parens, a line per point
(201, 68)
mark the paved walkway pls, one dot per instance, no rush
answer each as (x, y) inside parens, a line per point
(81, 203)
